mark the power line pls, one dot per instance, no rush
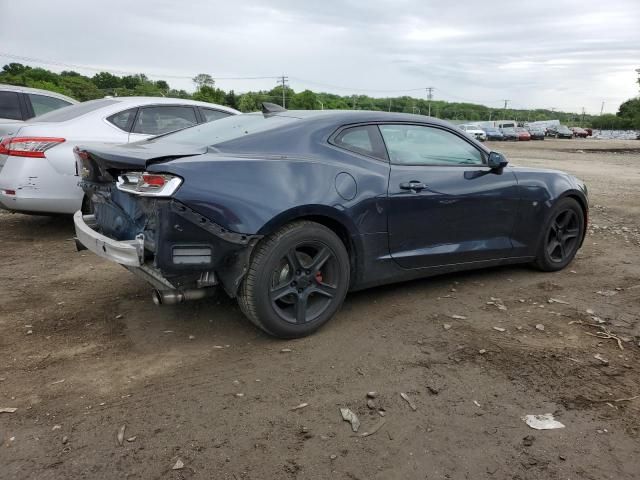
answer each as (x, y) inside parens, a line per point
(259, 77)
(123, 72)
(336, 87)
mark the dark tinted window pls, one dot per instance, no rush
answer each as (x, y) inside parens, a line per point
(356, 139)
(74, 111)
(123, 120)
(44, 104)
(418, 145)
(163, 119)
(10, 106)
(210, 114)
(226, 129)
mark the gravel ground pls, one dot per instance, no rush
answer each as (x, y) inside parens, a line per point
(84, 352)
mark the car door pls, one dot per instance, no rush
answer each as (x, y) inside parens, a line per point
(445, 205)
(158, 119)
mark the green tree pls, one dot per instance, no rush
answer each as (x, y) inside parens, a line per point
(305, 100)
(163, 85)
(15, 69)
(248, 102)
(204, 80)
(106, 81)
(231, 99)
(81, 88)
(209, 94)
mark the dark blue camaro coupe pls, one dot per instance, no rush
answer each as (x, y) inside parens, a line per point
(289, 210)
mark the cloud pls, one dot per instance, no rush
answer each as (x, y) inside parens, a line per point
(538, 54)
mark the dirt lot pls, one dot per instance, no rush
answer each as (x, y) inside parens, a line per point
(83, 351)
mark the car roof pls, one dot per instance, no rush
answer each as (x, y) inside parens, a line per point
(142, 101)
(110, 105)
(20, 89)
(359, 116)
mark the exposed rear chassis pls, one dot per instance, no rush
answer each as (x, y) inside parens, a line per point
(229, 268)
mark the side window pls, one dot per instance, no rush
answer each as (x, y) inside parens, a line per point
(10, 106)
(210, 114)
(420, 145)
(44, 104)
(123, 120)
(362, 139)
(164, 119)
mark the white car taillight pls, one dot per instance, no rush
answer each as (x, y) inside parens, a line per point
(32, 147)
(148, 184)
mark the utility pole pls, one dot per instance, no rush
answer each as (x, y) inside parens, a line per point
(582, 115)
(389, 104)
(354, 102)
(429, 97)
(283, 80)
(506, 102)
(602, 108)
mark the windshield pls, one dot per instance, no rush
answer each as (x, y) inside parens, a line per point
(73, 111)
(225, 129)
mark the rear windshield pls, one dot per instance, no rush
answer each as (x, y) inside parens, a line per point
(225, 129)
(73, 111)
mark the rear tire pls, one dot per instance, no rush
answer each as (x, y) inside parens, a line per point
(297, 280)
(563, 232)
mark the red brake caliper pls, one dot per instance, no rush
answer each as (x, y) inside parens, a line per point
(319, 277)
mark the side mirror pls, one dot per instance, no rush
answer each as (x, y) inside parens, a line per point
(497, 161)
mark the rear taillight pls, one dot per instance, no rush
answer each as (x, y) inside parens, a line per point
(148, 184)
(32, 147)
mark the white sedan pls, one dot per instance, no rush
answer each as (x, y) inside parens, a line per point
(37, 166)
(475, 131)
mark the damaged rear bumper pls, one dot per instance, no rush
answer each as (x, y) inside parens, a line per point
(129, 253)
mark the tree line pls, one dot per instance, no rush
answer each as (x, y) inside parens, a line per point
(101, 84)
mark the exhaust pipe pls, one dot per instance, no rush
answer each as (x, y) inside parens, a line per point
(173, 297)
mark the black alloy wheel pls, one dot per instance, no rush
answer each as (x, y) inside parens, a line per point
(305, 283)
(297, 280)
(562, 236)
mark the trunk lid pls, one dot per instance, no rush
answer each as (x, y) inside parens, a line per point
(102, 162)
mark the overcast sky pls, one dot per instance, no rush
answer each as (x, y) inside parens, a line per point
(546, 53)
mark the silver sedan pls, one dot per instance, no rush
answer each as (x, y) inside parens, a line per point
(37, 165)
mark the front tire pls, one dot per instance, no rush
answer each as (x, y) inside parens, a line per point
(297, 280)
(563, 232)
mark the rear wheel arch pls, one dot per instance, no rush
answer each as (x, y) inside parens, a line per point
(328, 217)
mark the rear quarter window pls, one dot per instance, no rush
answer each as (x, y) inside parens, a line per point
(123, 120)
(10, 106)
(44, 104)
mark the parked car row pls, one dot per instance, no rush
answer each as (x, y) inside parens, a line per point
(532, 132)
